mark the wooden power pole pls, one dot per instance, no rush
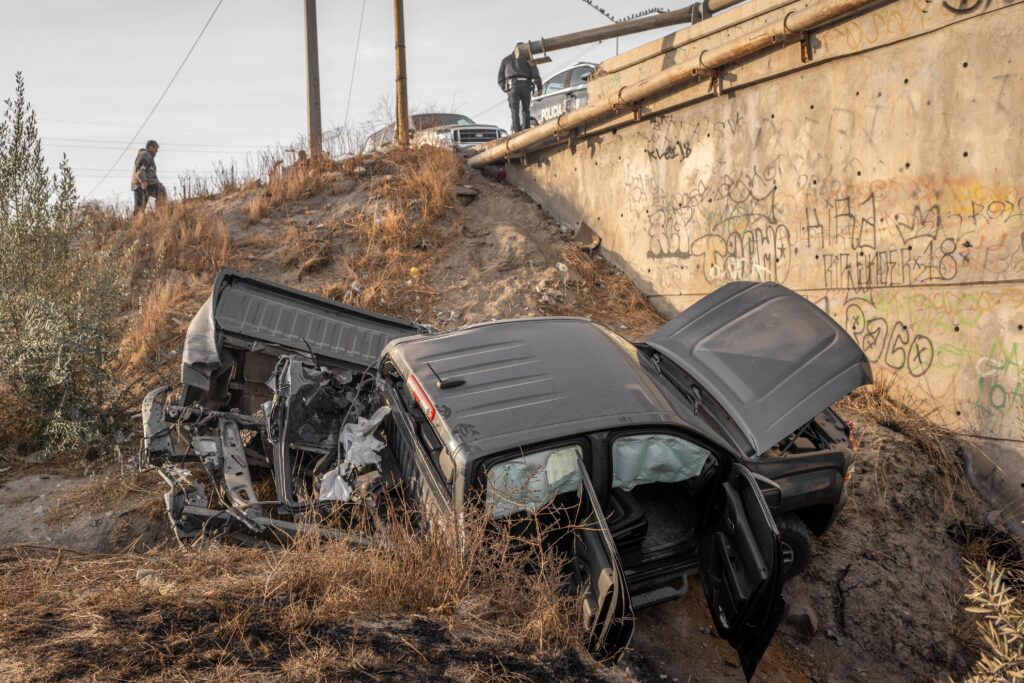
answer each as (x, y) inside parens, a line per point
(402, 91)
(313, 82)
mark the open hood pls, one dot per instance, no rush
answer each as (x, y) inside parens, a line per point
(769, 357)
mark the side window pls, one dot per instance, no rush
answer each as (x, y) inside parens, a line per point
(655, 458)
(579, 76)
(529, 482)
(557, 82)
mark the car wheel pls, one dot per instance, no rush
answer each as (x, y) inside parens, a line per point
(533, 122)
(796, 544)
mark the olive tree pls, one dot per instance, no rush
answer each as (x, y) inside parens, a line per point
(60, 298)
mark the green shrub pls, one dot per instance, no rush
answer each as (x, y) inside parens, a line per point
(60, 302)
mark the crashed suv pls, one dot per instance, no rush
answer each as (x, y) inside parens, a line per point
(678, 454)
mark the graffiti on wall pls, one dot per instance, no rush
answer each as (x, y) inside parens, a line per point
(897, 261)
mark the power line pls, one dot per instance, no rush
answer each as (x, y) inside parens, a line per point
(355, 60)
(634, 15)
(159, 99)
(116, 144)
(192, 129)
(176, 150)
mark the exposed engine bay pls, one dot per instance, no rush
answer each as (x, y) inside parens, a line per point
(306, 459)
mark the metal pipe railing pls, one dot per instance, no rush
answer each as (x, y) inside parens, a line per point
(691, 14)
(792, 24)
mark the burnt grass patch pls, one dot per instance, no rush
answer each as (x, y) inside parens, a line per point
(156, 639)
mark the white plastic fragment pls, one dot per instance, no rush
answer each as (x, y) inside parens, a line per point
(334, 486)
(359, 448)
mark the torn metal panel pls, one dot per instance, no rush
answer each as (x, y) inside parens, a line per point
(256, 478)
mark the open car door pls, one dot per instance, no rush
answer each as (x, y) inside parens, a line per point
(596, 566)
(741, 567)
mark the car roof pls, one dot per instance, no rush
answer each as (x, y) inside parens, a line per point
(437, 114)
(592, 65)
(519, 382)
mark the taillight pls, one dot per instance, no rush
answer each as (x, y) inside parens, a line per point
(420, 396)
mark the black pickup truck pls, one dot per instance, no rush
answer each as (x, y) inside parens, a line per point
(685, 453)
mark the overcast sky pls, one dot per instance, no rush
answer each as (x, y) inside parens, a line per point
(95, 68)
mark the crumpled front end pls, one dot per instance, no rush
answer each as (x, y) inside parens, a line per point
(307, 460)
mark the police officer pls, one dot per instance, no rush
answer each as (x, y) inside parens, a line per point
(145, 184)
(518, 78)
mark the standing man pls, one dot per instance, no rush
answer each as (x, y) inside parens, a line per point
(145, 184)
(518, 78)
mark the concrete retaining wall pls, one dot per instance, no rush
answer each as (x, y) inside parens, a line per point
(883, 179)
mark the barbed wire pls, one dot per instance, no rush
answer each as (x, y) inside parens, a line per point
(635, 15)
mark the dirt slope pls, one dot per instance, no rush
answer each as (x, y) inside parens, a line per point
(884, 586)
(497, 257)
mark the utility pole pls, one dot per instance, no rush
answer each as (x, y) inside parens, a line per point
(313, 82)
(402, 90)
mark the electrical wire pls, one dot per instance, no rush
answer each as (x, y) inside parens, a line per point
(634, 15)
(355, 60)
(117, 143)
(192, 129)
(159, 99)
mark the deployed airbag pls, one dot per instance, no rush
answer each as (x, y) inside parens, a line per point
(532, 481)
(654, 458)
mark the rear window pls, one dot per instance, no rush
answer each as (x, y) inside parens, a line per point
(527, 483)
(557, 82)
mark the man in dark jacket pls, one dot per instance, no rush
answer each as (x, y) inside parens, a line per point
(145, 184)
(518, 78)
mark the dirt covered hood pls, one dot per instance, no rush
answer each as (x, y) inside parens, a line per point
(772, 359)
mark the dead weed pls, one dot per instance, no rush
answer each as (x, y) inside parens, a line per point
(178, 237)
(396, 230)
(897, 409)
(301, 180)
(412, 605)
(606, 293)
(154, 338)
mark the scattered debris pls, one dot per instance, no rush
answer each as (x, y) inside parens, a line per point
(467, 194)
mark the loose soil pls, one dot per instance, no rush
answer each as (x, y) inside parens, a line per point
(884, 585)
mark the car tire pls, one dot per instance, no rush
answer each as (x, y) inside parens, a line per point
(533, 123)
(795, 538)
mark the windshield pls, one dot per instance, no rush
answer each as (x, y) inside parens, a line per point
(424, 121)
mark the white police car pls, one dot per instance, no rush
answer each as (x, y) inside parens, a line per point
(563, 92)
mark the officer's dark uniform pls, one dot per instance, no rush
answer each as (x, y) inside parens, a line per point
(519, 78)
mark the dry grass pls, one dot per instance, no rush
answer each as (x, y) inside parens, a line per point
(301, 180)
(308, 248)
(396, 230)
(896, 408)
(257, 208)
(994, 596)
(172, 254)
(607, 293)
(179, 236)
(456, 602)
(152, 343)
(106, 493)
